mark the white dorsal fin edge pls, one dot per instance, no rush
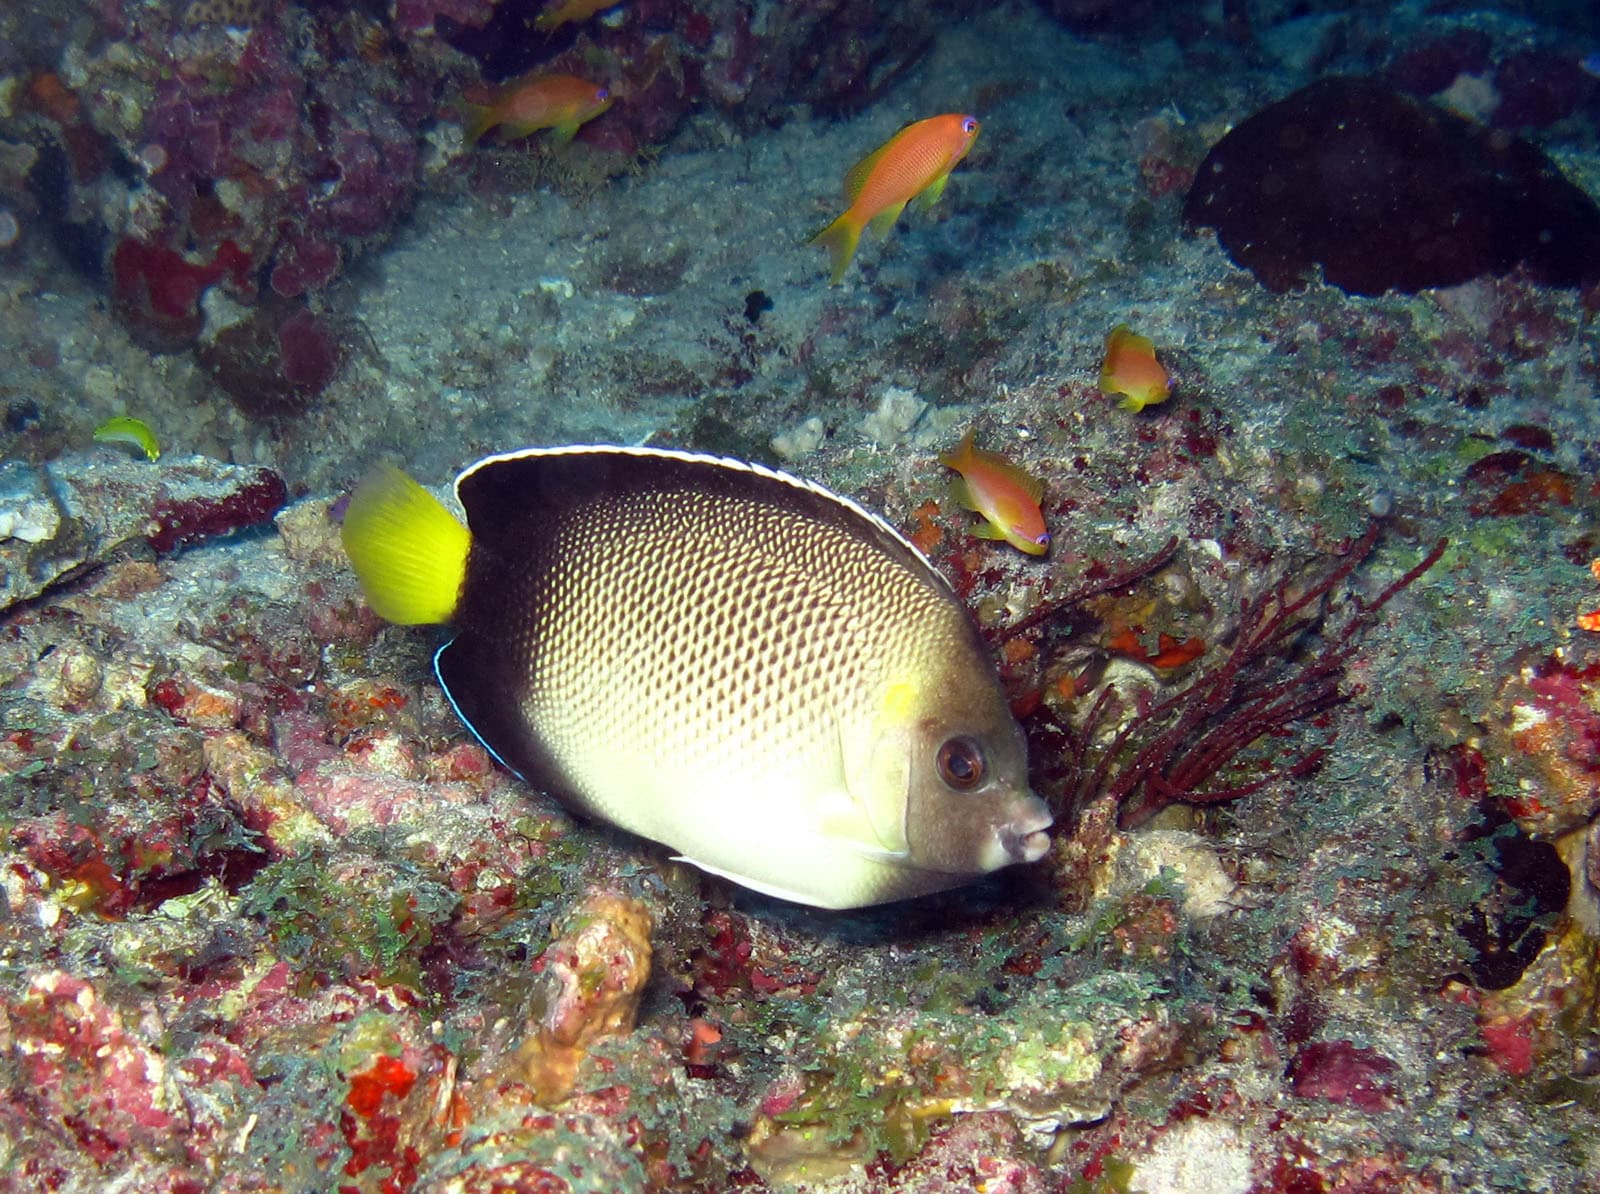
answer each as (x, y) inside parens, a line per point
(728, 462)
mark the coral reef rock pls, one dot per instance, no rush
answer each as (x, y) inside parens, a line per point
(1385, 192)
(81, 510)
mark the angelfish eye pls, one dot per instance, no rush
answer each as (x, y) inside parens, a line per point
(961, 764)
(969, 126)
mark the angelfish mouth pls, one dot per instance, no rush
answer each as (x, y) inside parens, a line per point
(1025, 839)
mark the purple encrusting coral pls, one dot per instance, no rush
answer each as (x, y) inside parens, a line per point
(1306, 678)
(178, 523)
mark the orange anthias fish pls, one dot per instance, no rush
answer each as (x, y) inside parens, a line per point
(563, 12)
(1591, 621)
(915, 163)
(1131, 369)
(1169, 652)
(533, 102)
(1006, 497)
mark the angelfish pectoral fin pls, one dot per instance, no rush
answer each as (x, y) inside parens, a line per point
(869, 811)
(843, 819)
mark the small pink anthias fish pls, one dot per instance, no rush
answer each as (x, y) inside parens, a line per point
(915, 163)
(564, 12)
(526, 105)
(1006, 497)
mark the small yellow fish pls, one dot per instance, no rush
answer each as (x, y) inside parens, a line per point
(564, 12)
(526, 105)
(915, 163)
(125, 430)
(1130, 368)
(1006, 497)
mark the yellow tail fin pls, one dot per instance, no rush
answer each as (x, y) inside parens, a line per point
(840, 237)
(409, 552)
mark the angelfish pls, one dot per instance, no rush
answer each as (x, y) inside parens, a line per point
(739, 664)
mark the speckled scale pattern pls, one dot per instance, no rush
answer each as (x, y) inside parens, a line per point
(713, 647)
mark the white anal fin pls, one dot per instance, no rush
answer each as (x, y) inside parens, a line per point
(768, 889)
